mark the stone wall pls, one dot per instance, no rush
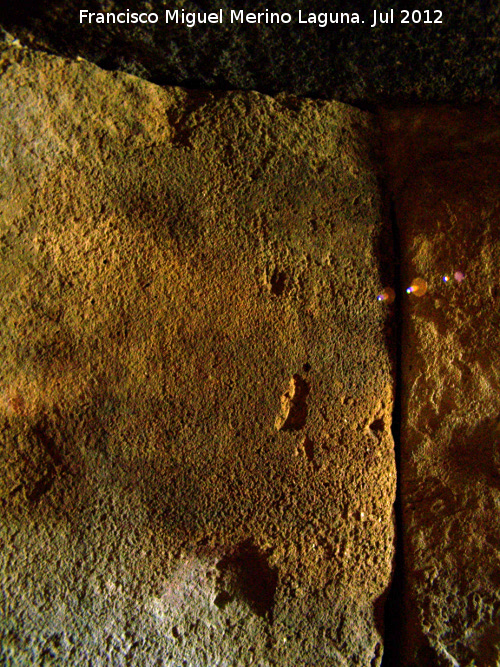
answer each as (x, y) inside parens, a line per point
(444, 166)
(213, 306)
(196, 380)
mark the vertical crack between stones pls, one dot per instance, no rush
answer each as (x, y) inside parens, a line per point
(393, 613)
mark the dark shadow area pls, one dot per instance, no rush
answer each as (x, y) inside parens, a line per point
(278, 283)
(361, 55)
(394, 607)
(245, 574)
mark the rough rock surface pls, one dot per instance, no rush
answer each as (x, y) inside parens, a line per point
(445, 166)
(454, 60)
(197, 464)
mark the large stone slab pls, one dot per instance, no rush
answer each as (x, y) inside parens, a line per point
(361, 53)
(196, 388)
(445, 167)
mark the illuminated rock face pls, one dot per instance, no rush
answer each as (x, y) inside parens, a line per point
(445, 167)
(196, 387)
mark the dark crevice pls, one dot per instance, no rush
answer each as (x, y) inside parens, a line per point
(394, 608)
(278, 283)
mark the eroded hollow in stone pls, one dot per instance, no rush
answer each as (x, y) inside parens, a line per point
(245, 574)
(293, 412)
(278, 283)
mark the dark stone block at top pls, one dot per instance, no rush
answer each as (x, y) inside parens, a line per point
(453, 61)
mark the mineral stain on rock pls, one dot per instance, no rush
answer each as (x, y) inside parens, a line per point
(293, 413)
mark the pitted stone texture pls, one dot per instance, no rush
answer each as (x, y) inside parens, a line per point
(170, 262)
(445, 166)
